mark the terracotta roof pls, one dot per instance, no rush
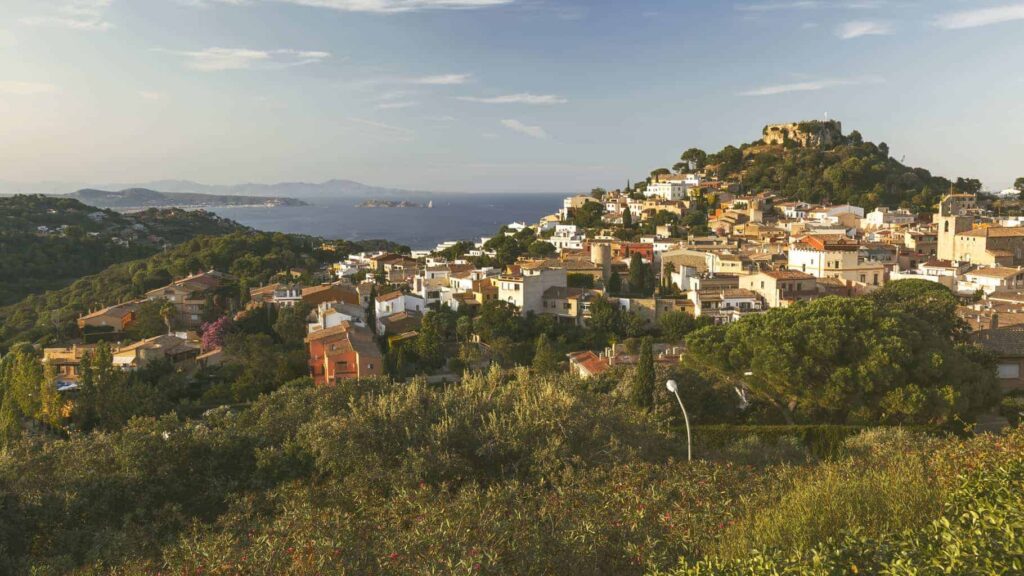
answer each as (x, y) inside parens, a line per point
(167, 343)
(328, 332)
(995, 232)
(787, 275)
(402, 322)
(591, 363)
(938, 264)
(350, 337)
(1007, 342)
(389, 296)
(1007, 296)
(121, 308)
(995, 272)
(561, 292)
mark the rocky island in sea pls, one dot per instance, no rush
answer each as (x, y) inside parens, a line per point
(393, 204)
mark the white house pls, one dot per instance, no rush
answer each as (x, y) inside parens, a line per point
(525, 289)
(988, 280)
(669, 190)
(882, 217)
(331, 314)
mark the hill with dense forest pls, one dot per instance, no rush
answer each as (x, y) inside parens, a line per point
(839, 169)
(48, 242)
(252, 257)
(135, 198)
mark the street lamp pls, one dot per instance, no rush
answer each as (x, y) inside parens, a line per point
(674, 388)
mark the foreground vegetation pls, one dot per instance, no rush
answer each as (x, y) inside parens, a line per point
(504, 473)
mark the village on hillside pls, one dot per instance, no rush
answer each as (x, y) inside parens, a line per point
(638, 249)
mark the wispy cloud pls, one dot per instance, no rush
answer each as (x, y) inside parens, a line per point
(73, 15)
(782, 5)
(26, 88)
(389, 6)
(981, 17)
(397, 105)
(217, 59)
(810, 86)
(522, 98)
(776, 6)
(439, 80)
(531, 131)
(858, 28)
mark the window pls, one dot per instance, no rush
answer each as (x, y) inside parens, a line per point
(1008, 371)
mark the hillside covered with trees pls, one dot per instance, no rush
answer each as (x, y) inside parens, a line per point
(48, 242)
(848, 169)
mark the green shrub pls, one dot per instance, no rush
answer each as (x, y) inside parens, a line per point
(980, 530)
(818, 441)
(888, 485)
(1012, 408)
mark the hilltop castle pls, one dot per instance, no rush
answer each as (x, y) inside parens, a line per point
(811, 134)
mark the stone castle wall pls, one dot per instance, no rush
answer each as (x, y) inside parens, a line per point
(806, 134)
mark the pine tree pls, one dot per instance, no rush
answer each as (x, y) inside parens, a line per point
(546, 359)
(643, 384)
(627, 218)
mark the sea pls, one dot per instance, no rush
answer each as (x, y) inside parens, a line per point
(452, 217)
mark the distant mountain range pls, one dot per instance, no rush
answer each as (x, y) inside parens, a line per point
(301, 190)
(146, 198)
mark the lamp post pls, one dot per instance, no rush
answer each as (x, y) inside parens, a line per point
(674, 388)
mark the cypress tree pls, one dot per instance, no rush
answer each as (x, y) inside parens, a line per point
(643, 385)
(545, 359)
(614, 284)
(637, 275)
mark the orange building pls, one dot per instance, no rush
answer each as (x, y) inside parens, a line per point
(625, 250)
(343, 352)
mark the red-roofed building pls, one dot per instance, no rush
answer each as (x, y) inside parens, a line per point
(343, 352)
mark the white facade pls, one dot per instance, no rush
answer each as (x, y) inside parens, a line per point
(884, 218)
(667, 190)
(842, 264)
(988, 280)
(526, 291)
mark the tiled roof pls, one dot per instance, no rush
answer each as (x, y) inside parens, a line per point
(995, 232)
(389, 296)
(1008, 341)
(995, 272)
(787, 275)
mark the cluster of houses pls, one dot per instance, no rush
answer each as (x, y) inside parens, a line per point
(186, 298)
(760, 254)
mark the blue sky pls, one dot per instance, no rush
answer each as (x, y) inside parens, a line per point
(493, 95)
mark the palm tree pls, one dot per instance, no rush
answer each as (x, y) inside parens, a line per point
(167, 312)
